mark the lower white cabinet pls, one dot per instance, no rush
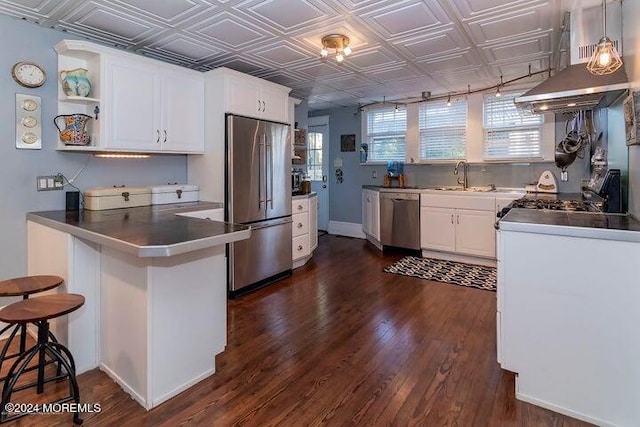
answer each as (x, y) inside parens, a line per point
(371, 214)
(464, 231)
(304, 228)
(458, 226)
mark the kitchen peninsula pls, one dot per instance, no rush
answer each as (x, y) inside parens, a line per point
(567, 312)
(154, 279)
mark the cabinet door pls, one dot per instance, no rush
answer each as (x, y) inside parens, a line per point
(274, 104)
(375, 214)
(313, 223)
(182, 112)
(437, 229)
(243, 96)
(366, 218)
(132, 104)
(475, 234)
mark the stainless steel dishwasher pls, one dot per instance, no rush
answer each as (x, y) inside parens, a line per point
(400, 219)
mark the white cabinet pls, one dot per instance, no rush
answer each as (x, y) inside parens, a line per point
(182, 113)
(253, 97)
(152, 108)
(371, 214)
(137, 104)
(437, 229)
(304, 228)
(475, 234)
(133, 94)
(458, 224)
(313, 223)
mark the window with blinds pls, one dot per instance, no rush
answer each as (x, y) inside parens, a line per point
(386, 133)
(443, 130)
(508, 132)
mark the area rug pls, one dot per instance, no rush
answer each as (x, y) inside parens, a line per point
(456, 273)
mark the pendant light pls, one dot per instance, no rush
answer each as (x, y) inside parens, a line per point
(605, 58)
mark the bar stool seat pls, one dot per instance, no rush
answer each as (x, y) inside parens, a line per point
(39, 310)
(23, 286)
(28, 285)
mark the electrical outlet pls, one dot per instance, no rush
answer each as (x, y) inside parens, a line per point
(49, 182)
(374, 174)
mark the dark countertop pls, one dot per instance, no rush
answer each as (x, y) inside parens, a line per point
(147, 231)
(575, 224)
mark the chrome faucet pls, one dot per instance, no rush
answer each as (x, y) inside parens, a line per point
(462, 181)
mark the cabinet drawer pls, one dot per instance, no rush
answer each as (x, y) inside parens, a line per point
(300, 205)
(300, 224)
(300, 247)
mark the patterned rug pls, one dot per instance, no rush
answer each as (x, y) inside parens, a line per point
(456, 273)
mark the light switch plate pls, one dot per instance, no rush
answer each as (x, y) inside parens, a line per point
(28, 122)
(337, 163)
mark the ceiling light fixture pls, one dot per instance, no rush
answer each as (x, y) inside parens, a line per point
(339, 44)
(605, 58)
(449, 101)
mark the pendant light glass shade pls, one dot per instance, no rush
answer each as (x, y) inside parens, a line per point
(605, 58)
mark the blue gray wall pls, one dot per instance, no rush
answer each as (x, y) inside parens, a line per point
(18, 195)
(345, 200)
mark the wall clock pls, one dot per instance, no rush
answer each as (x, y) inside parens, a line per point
(28, 74)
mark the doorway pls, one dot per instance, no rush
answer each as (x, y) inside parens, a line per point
(317, 165)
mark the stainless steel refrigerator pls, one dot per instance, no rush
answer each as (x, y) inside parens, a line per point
(258, 193)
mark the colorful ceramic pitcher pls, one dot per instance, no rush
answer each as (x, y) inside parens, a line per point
(73, 132)
(75, 82)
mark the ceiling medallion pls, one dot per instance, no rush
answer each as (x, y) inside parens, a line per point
(339, 44)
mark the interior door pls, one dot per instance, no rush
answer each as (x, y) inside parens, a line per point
(317, 165)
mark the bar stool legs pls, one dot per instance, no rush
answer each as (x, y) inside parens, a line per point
(57, 352)
(38, 311)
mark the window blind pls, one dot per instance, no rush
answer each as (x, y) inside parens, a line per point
(508, 132)
(386, 133)
(443, 130)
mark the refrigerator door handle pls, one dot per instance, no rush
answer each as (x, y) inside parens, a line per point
(260, 172)
(269, 195)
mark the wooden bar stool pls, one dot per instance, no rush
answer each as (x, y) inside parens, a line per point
(39, 310)
(23, 286)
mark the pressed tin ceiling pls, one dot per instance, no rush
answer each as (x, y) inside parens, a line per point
(400, 48)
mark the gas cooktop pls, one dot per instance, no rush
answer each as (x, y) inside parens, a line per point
(557, 205)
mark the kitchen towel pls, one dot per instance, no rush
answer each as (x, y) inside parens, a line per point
(455, 273)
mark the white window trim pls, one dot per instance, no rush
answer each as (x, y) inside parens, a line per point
(364, 134)
(475, 137)
(465, 139)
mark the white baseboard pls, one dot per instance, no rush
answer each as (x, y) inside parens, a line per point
(348, 229)
(563, 410)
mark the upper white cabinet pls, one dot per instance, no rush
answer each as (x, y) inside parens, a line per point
(144, 106)
(153, 108)
(253, 97)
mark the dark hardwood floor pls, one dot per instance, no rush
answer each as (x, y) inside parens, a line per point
(341, 343)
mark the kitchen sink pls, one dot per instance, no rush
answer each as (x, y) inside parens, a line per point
(472, 189)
